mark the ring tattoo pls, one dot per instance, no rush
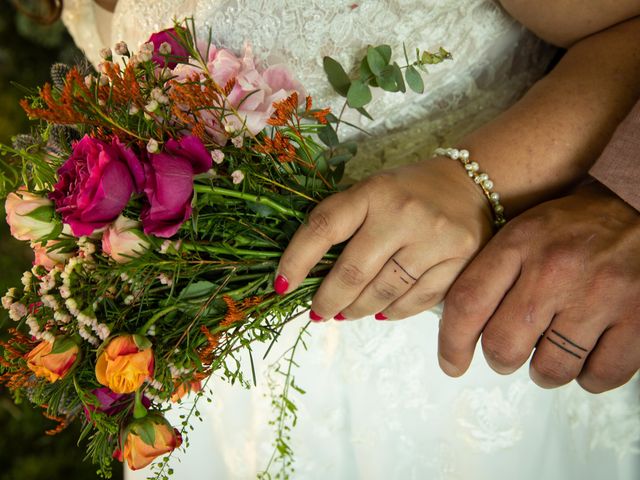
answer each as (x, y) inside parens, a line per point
(565, 344)
(402, 271)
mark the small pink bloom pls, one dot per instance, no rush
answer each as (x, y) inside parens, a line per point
(124, 240)
(47, 258)
(178, 53)
(237, 177)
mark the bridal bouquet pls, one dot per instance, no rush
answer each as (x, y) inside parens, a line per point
(158, 194)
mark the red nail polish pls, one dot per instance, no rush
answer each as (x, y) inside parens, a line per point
(314, 316)
(339, 317)
(281, 284)
(381, 316)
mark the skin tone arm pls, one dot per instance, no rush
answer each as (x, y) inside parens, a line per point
(428, 220)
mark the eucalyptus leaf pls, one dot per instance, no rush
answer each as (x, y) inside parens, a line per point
(376, 61)
(398, 77)
(385, 52)
(338, 159)
(387, 79)
(338, 172)
(364, 113)
(414, 80)
(365, 71)
(338, 78)
(328, 136)
(197, 290)
(359, 94)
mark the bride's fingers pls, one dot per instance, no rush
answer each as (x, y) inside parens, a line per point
(395, 278)
(564, 347)
(359, 263)
(427, 292)
(333, 221)
(471, 301)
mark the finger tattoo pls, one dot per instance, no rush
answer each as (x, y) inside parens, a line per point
(403, 270)
(565, 344)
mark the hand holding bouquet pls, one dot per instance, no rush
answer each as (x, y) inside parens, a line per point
(158, 195)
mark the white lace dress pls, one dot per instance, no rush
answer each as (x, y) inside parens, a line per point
(377, 405)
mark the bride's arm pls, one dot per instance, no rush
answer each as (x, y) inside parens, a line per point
(412, 230)
(564, 22)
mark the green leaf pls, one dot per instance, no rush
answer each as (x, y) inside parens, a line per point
(338, 159)
(398, 77)
(385, 52)
(62, 344)
(364, 113)
(42, 214)
(414, 80)
(142, 342)
(351, 147)
(365, 71)
(197, 290)
(359, 94)
(262, 210)
(328, 136)
(387, 79)
(146, 432)
(375, 60)
(338, 173)
(338, 78)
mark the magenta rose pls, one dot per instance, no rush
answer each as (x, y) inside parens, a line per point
(169, 184)
(95, 184)
(177, 52)
(112, 403)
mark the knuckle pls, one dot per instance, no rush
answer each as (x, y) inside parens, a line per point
(464, 299)
(385, 291)
(501, 352)
(550, 372)
(349, 274)
(558, 259)
(601, 376)
(320, 224)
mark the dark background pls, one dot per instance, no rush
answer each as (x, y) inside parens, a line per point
(27, 50)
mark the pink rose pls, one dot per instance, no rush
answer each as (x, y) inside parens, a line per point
(47, 257)
(169, 184)
(123, 240)
(178, 52)
(112, 403)
(96, 183)
(29, 216)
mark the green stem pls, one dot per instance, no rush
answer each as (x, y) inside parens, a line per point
(249, 198)
(229, 250)
(143, 330)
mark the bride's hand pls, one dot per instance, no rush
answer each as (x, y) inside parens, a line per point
(411, 230)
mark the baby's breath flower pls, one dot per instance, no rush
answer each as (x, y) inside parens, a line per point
(158, 95)
(121, 48)
(217, 156)
(106, 53)
(238, 141)
(65, 291)
(165, 279)
(17, 311)
(103, 80)
(237, 176)
(88, 80)
(9, 298)
(133, 110)
(152, 145)
(164, 49)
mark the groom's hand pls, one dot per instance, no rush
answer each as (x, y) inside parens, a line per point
(562, 279)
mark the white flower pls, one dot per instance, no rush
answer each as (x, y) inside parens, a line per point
(165, 279)
(72, 306)
(237, 176)
(152, 106)
(133, 110)
(238, 141)
(146, 52)
(17, 311)
(8, 299)
(61, 317)
(165, 48)
(217, 156)
(65, 292)
(30, 216)
(103, 80)
(152, 146)
(121, 48)
(158, 95)
(88, 81)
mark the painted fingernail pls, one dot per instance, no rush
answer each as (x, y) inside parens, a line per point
(281, 284)
(381, 316)
(340, 317)
(314, 316)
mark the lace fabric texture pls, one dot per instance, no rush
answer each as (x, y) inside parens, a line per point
(377, 405)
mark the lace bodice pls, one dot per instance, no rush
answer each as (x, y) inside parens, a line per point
(495, 59)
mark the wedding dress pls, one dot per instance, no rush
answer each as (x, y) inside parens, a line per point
(377, 406)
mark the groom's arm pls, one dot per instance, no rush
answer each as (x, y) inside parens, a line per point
(564, 22)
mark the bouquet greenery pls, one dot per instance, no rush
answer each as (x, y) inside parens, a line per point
(158, 194)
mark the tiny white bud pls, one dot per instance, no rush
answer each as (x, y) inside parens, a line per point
(164, 49)
(238, 141)
(121, 48)
(152, 146)
(217, 156)
(152, 106)
(106, 53)
(237, 177)
(88, 81)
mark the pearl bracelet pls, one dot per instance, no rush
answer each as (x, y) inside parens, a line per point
(481, 179)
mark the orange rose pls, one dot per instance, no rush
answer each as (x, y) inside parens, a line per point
(53, 366)
(125, 363)
(183, 388)
(147, 439)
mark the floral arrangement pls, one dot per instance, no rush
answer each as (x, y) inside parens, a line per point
(158, 194)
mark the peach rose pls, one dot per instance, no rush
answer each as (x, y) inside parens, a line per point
(123, 240)
(49, 258)
(29, 216)
(125, 363)
(53, 366)
(147, 439)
